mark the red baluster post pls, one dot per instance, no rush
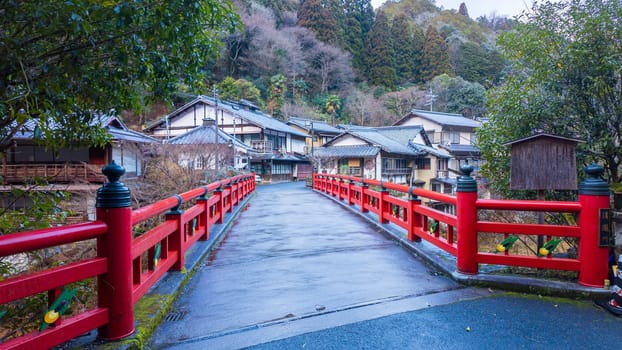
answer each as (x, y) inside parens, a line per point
(383, 205)
(349, 189)
(413, 219)
(114, 289)
(466, 212)
(176, 240)
(593, 251)
(364, 197)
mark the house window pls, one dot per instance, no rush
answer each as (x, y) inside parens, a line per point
(199, 162)
(436, 187)
(441, 164)
(431, 135)
(451, 137)
(423, 163)
(281, 168)
(393, 163)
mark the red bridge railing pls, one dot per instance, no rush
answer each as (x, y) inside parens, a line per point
(462, 227)
(125, 267)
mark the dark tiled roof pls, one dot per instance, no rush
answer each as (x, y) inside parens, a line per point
(319, 126)
(544, 135)
(254, 117)
(461, 150)
(130, 135)
(431, 150)
(444, 119)
(115, 127)
(347, 151)
(285, 157)
(203, 135)
(392, 139)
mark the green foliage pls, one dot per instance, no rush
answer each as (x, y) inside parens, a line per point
(316, 15)
(276, 95)
(435, 60)
(405, 53)
(565, 79)
(379, 59)
(241, 89)
(63, 62)
(478, 64)
(456, 95)
(228, 89)
(355, 18)
(26, 209)
(332, 105)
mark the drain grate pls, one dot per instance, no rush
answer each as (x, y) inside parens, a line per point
(176, 315)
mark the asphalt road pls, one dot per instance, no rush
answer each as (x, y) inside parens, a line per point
(298, 271)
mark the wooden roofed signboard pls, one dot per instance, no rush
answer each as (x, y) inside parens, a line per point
(543, 162)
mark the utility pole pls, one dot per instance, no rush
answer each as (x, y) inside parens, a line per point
(217, 142)
(430, 99)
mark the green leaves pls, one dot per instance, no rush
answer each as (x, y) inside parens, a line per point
(565, 79)
(70, 58)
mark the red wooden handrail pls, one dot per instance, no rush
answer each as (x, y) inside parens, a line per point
(117, 262)
(17, 243)
(412, 215)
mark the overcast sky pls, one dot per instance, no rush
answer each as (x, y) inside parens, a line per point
(508, 8)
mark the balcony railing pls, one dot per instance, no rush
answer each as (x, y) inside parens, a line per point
(396, 171)
(64, 173)
(262, 146)
(351, 171)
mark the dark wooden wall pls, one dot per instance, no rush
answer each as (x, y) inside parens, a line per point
(544, 163)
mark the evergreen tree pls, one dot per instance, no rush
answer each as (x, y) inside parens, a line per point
(474, 63)
(463, 10)
(359, 15)
(315, 15)
(379, 59)
(418, 42)
(403, 49)
(435, 60)
(276, 95)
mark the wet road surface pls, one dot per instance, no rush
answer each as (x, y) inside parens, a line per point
(295, 262)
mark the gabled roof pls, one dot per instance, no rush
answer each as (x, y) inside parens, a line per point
(357, 151)
(391, 139)
(431, 150)
(544, 135)
(444, 119)
(254, 117)
(115, 127)
(206, 134)
(319, 126)
(461, 150)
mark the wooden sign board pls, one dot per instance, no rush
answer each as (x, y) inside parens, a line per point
(605, 228)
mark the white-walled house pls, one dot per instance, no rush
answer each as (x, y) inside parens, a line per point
(318, 132)
(278, 148)
(452, 133)
(399, 154)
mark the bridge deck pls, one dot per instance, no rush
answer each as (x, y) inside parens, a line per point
(295, 262)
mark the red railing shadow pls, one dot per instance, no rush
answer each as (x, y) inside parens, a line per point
(125, 267)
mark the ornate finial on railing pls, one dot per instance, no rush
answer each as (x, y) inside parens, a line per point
(594, 184)
(176, 210)
(113, 194)
(465, 182)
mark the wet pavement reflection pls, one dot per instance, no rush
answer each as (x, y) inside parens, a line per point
(295, 262)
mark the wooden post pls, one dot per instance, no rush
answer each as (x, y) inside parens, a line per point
(114, 289)
(176, 239)
(466, 214)
(594, 242)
